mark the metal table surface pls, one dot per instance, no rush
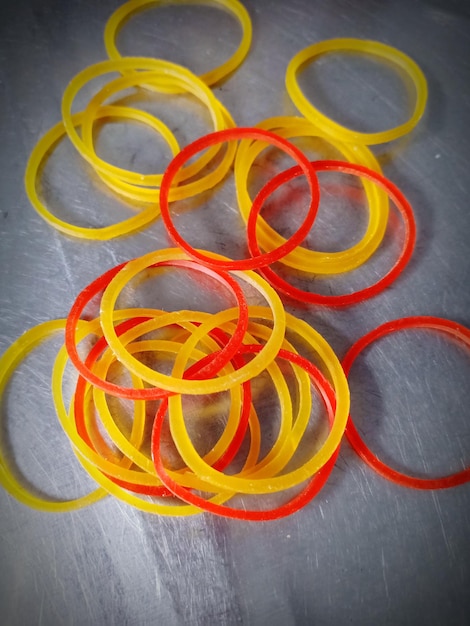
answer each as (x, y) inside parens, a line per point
(364, 551)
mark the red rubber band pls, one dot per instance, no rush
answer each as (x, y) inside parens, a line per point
(195, 369)
(259, 259)
(221, 358)
(396, 196)
(435, 323)
(313, 487)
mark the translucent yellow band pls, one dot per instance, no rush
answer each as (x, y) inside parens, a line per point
(150, 71)
(180, 385)
(134, 185)
(50, 139)
(8, 363)
(124, 12)
(374, 48)
(289, 479)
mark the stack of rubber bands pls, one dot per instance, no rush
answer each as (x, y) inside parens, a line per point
(154, 460)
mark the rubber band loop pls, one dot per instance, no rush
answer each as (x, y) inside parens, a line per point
(223, 451)
(180, 385)
(447, 327)
(170, 479)
(47, 143)
(124, 12)
(109, 485)
(401, 204)
(74, 428)
(162, 258)
(8, 363)
(292, 478)
(302, 258)
(286, 446)
(163, 71)
(291, 429)
(260, 259)
(132, 184)
(220, 455)
(374, 48)
(289, 434)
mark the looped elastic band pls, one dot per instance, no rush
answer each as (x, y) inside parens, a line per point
(301, 258)
(259, 259)
(134, 185)
(447, 327)
(114, 280)
(401, 204)
(53, 136)
(261, 481)
(171, 479)
(374, 48)
(76, 426)
(161, 74)
(214, 76)
(8, 363)
(176, 384)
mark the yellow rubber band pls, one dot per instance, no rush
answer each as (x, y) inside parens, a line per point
(170, 383)
(286, 443)
(50, 139)
(121, 441)
(109, 467)
(153, 70)
(8, 363)
(301, 258)
(134, 185)
(124, 12)
(282, 443)
(290, 431)
(292, 478)
(374, 48)
(98, 467)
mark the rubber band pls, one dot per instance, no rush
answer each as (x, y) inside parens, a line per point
(272, 483)
(162, 258)
(132, 184)
(291, 428)
(8, 363)
(302, 258)
(154, 69)
(221, 454)
(195, 482)
(447, 327)
(124, 12)
(47, 143)
(109, 485)
(181, 385)
(81, 418)
(232, 134)
(74, 428)
(374, 48)
(314, 486)
(401, 204)
(210, 179)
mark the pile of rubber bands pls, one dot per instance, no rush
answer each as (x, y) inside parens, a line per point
(238, 352)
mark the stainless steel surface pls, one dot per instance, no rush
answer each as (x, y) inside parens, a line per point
(365, 551)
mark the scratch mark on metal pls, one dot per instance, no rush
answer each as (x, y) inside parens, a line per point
(437, 506)
(384, 575)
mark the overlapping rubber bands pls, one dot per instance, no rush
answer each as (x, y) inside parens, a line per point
(220, 361)
(212, 353)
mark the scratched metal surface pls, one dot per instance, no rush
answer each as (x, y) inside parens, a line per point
(365, 551)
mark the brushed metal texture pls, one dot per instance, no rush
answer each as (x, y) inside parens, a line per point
(365, 551)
